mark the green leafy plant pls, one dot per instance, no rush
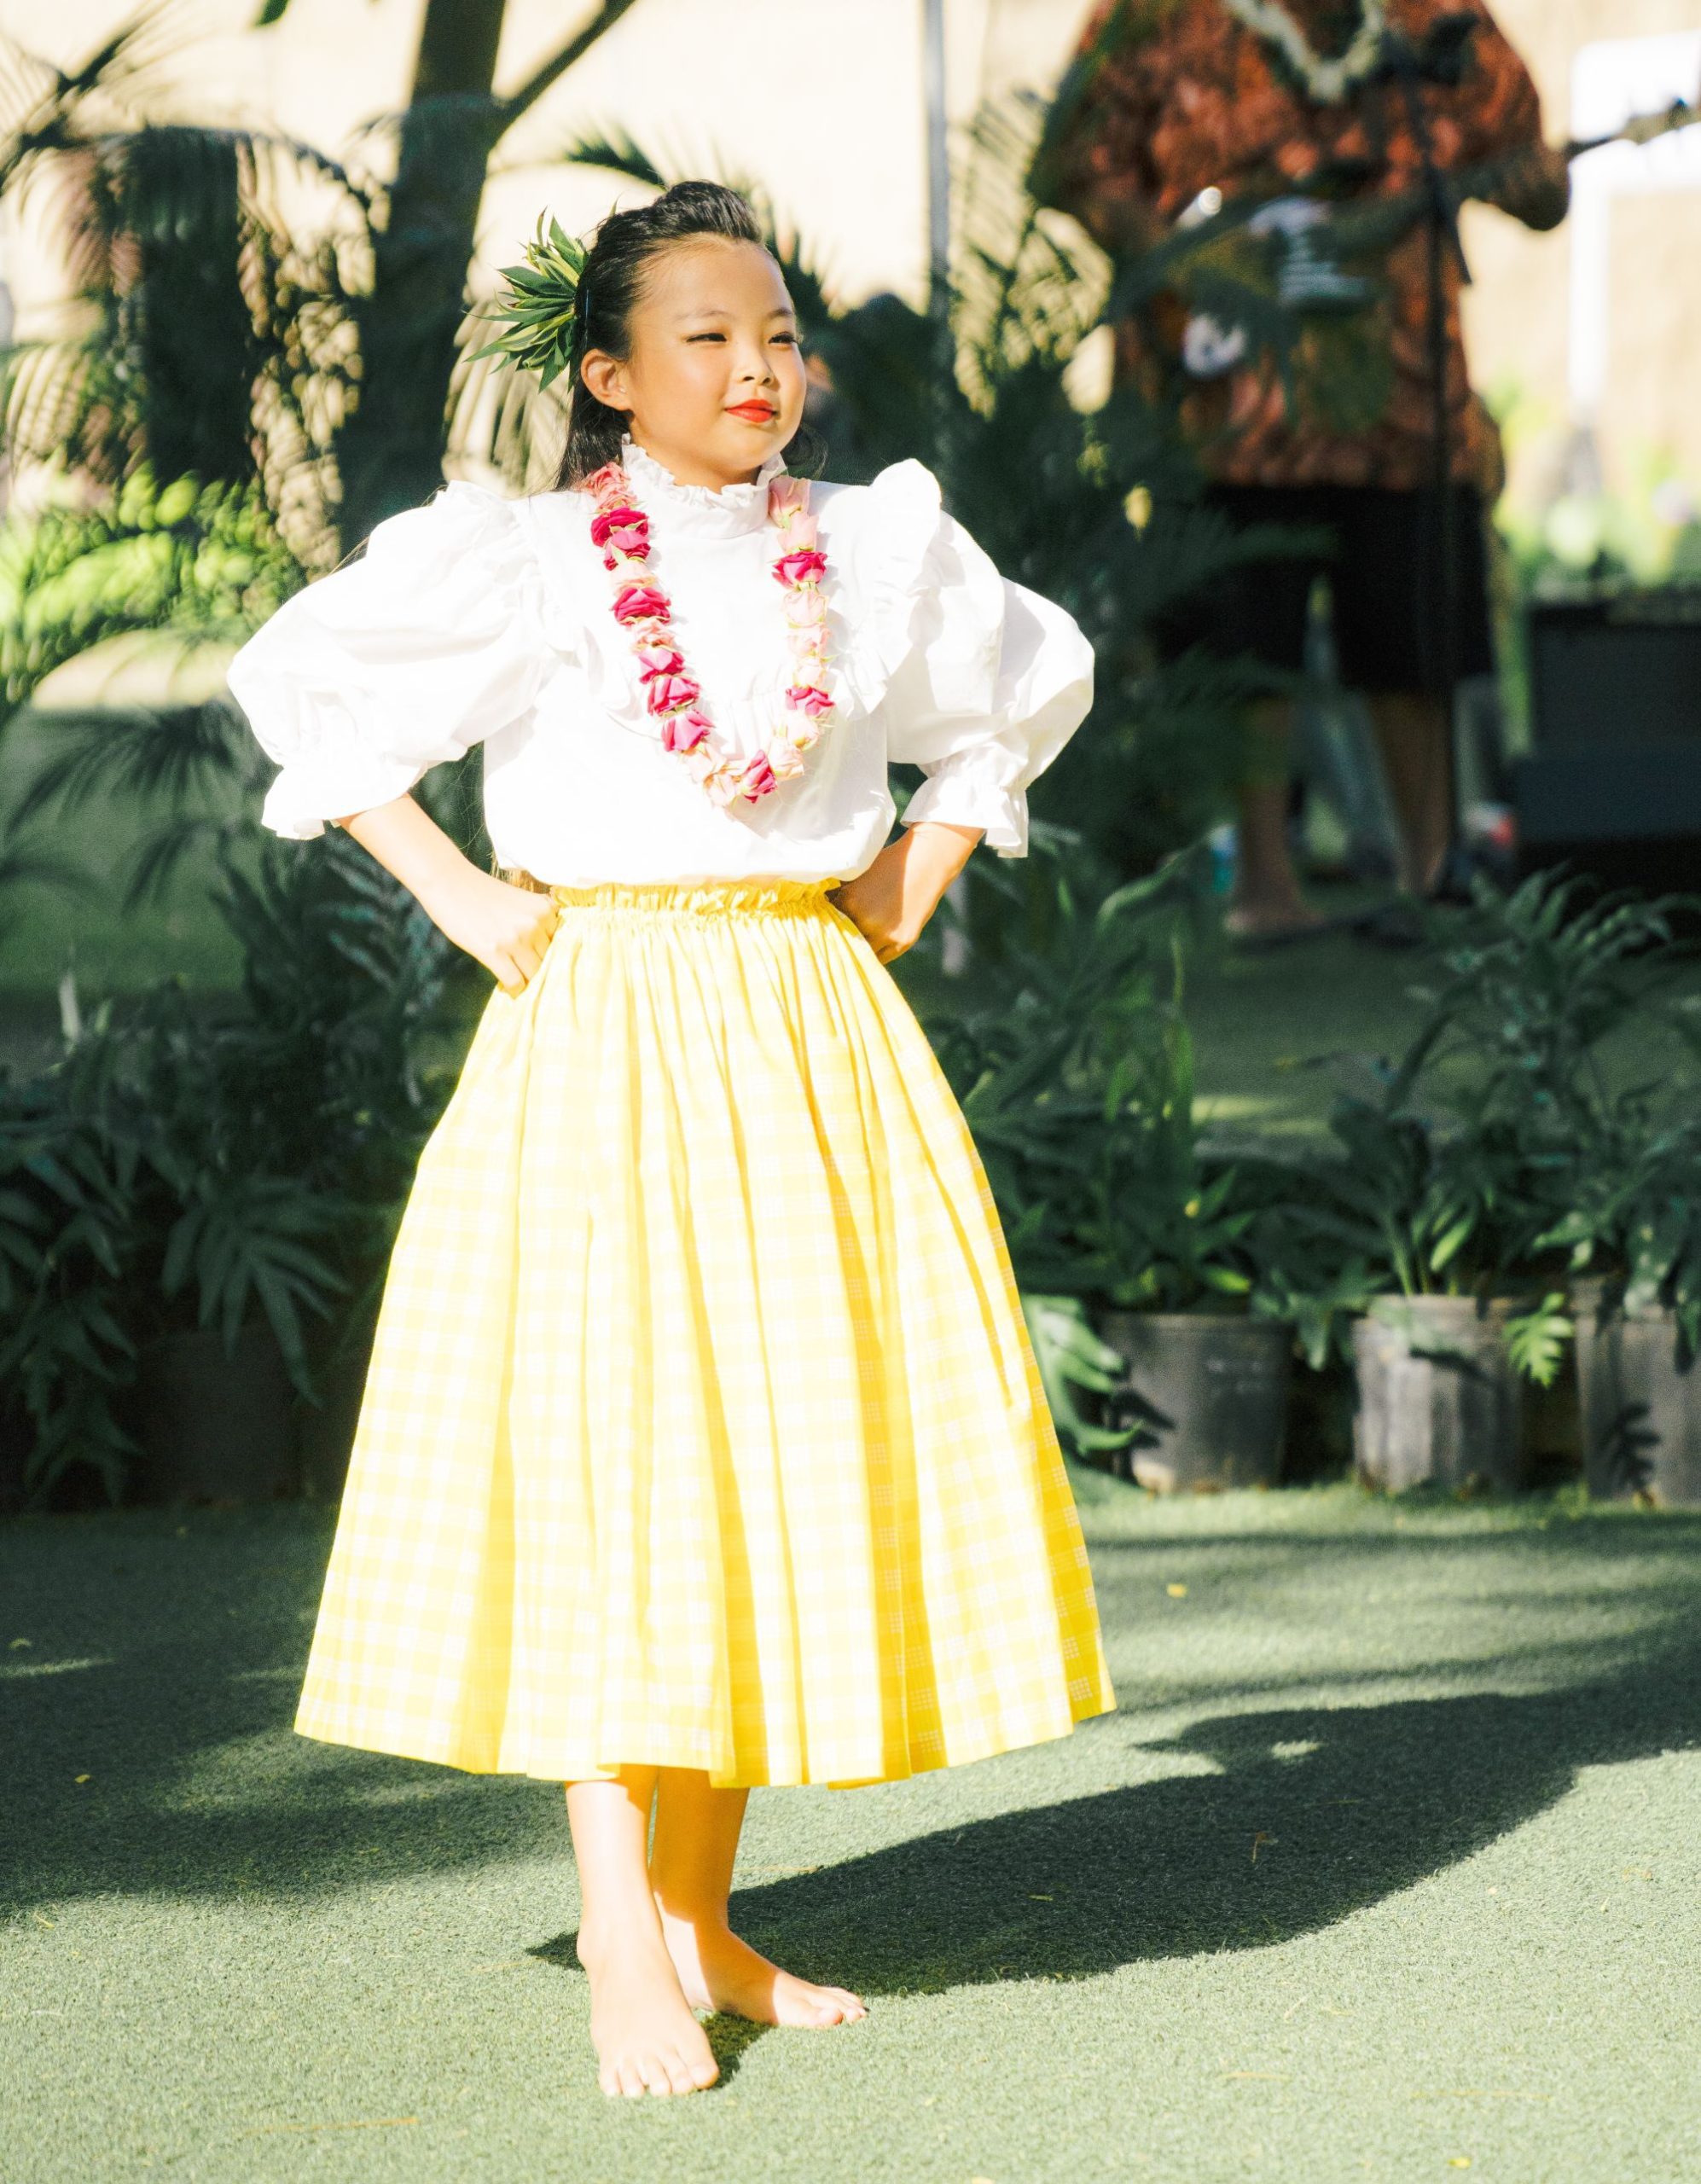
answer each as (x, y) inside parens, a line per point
(1536, 1340)
(181, 1167)
(66, 1245)
(1637, 1219)
(1071, 1357)
(1078, 1085)
(1496, 1154)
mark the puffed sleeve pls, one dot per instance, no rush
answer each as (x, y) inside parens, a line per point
(989, 680)
(395, 662)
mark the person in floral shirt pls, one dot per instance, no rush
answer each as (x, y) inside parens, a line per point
(1172, 109)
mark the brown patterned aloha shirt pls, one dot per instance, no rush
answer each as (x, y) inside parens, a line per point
(1169, 98)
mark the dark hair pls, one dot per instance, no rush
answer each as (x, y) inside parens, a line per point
(609, 286)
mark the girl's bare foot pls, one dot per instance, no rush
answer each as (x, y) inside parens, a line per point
(642, 2026)
(719, 1972)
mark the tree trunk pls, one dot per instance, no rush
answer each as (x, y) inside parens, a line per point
(391, 450)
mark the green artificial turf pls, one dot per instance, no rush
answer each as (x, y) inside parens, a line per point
(1388, 1865)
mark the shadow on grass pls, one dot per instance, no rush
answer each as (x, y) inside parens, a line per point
(1301, 1817)
(1318, 1813)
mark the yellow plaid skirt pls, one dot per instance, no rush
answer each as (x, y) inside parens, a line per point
(702, 1427)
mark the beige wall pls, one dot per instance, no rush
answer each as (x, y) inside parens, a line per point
(822, 100)
(1516, 314)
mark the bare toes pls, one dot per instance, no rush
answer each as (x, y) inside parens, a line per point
(632, 2082)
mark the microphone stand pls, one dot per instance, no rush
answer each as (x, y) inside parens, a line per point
(1442, 59)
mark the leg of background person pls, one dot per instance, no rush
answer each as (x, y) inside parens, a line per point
(691, 1873)
(1411, 733)
(1267, 896)
(645, 2033)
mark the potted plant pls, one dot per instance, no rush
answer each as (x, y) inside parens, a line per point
(156, 1273)
(1635, 1236)
(186, 1191)
(1175, 1258)
(1437, 1224)
(1131, 1240)
(1399, 1248)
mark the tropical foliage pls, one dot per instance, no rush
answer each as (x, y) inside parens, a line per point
(172, 1170)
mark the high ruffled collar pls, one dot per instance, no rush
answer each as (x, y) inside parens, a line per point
(719, 512)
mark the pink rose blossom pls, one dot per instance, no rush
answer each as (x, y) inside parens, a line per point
(699, 762)
(783, 759)
(604, 480)
(663, 658)
(805, 610)
(800, 565)
(808, 698)
(624, 527)
(669, 693)
(684, 731)
(722, 785)
(756, 777)
(637, 602)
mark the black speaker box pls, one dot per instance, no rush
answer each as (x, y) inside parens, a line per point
(1612, 783)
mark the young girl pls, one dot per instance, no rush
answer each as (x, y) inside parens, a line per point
(702, 1443)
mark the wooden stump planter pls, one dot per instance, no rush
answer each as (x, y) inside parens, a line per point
(1439, 1401)
(1210, 1389)
(1642, 1405)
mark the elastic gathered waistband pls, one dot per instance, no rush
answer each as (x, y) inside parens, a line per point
(710, 897)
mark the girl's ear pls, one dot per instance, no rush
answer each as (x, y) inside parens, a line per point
(603, 378)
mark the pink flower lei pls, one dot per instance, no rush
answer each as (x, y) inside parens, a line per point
(622, 530)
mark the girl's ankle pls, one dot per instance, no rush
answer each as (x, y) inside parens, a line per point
(701, 1917)
(602, 1936)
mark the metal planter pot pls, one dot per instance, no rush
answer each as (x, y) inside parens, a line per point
(213, 1427)
(1641, 1406)
(1439, 1402)
(1210, 1389)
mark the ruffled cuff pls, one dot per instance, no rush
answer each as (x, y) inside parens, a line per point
(302, 799)
(976, 788)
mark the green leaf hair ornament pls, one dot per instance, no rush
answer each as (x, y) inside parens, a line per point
(541, 306)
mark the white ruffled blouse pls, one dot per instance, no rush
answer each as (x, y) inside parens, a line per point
(481, 619)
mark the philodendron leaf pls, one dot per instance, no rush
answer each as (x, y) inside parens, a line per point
(1071, 1355)
(1536, 1340)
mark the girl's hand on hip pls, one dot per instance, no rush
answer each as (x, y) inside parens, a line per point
(892, 899)
(506, 927)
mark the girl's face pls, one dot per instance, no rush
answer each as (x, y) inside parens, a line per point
(713, 384)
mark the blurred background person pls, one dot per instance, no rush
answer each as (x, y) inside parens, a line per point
(1303, 114)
